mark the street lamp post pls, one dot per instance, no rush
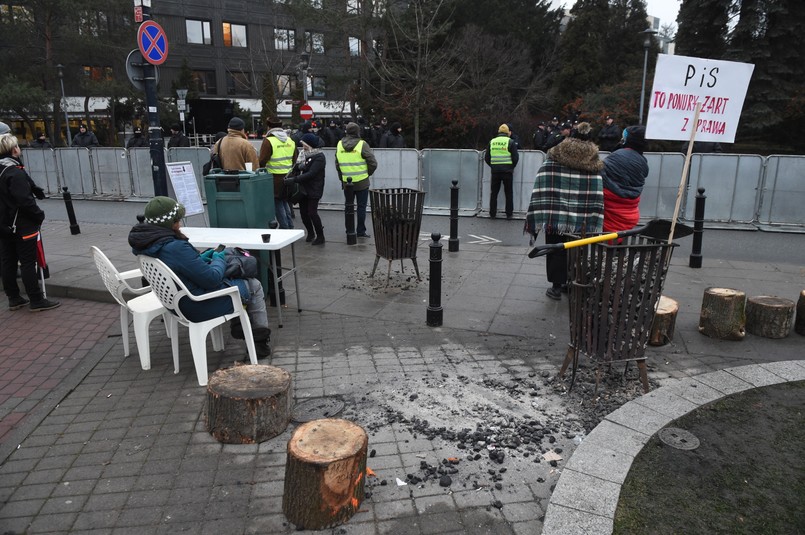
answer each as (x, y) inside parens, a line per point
(646, 45)
(60, 69)
(304, 64)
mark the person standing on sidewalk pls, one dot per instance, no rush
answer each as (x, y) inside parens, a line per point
(568, 198)
(502, 157)
(235, 150)
(277, 154)
(177, 139)
(160, 236)
(309, 174)
(624, 175)
(85, 138)
(20, 220)
(355, 159)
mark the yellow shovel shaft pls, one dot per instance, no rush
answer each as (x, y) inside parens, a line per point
(594, 239)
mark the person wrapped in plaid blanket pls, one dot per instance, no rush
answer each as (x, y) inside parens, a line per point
(567, 198)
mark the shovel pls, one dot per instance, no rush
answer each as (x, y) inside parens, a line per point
(656, 228)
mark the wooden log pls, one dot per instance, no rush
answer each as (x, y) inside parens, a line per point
(324, 473)
(799, 324)
(723, 314)
(248, 404)
(662, 328)
(770, 317)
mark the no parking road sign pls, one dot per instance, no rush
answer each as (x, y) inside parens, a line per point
(153, 42)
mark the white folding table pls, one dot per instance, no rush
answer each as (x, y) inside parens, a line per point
(252, 238)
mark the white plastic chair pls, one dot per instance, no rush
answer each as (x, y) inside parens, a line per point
(143, 308)
(170, 289)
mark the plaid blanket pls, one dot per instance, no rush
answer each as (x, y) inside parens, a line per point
(566, 200)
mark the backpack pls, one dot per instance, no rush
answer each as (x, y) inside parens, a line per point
(215, 160)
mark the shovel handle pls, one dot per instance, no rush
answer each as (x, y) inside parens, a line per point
(542, 250)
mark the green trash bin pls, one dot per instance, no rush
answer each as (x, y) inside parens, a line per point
(240, 199)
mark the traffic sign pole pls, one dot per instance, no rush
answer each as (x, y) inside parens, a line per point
(155, 140)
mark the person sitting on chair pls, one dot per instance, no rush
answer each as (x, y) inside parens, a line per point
(160, 236)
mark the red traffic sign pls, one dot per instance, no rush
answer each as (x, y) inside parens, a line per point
(305, 111)
(153, 42)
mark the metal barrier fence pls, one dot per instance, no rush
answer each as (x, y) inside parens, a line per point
(740, 188)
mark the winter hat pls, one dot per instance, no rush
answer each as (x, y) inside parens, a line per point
(4, 128)
(503, 129)
(395, 127)
(311, 140)
(353, 130)
(236, 123)
(582, 131)
(634, 137)
(163, 212)
(176, 127)
(274, 122)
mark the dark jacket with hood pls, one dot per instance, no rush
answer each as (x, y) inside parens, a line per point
(392, 138)
(311, 173)
(17, 192)
(199, 276)
(85, 139)
(625, 172)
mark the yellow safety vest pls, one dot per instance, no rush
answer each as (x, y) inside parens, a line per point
(352, 163)
(281, 160)
(499, 151)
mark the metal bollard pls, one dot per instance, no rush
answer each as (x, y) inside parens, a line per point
(278, 262)
(698, 230)
(452, 243)
(349, 212)
(68, 203)
(435, 311)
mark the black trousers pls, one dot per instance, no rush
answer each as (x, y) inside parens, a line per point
(13, 250)
(556, 262)
(506, 179)
(309, 210)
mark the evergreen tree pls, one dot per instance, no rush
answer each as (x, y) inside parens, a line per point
(581, 50)
(703, 26)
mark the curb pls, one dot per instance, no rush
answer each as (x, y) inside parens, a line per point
(586, 495)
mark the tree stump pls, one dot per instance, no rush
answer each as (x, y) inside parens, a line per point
(662, 328)
(723, 314)
(770, 317)
(324, 473)
(248, 404)
(799, 324)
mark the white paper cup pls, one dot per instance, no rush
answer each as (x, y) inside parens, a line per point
(249, 167)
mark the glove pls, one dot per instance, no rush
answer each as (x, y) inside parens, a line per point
(220, 255)
(38, 192)
(207, 255)
(289, 181)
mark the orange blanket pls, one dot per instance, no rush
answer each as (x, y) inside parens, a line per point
(620, 213)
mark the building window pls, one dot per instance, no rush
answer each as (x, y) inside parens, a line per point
(11, 13)
(238, 83)
(285, 84)
(354, 7)
(354, 47)
(234, 35)
(284, 39)
(314, 43)
(319, 86)
(97, 74)
(198, 32)
(205, 82)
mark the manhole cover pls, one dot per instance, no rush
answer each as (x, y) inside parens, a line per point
(679, 438)
(313, 409)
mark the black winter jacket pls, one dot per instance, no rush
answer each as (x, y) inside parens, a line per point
(311, 174)
(17, 198)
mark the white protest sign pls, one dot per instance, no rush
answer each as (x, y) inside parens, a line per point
(681, 83)
(183, 180)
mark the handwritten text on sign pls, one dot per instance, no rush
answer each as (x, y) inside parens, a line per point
(681, 83)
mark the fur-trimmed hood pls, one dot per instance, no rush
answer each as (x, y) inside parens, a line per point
(577, 154)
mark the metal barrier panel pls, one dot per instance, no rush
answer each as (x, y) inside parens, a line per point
(396, 168)
(522, 181)
(662, 184)
(333, 194)
(40, 164)
(783, 194)
(198, 156)
(731, 184)
(142, 179)
(75, 166)
(440, 167)
(112, 177)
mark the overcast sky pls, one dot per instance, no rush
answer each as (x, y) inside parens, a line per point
(665, 10)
